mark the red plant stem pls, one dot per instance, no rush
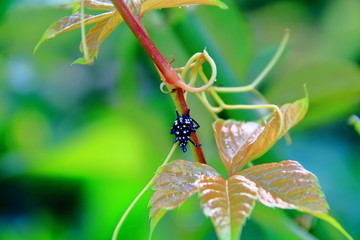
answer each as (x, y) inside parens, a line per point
(165, 68)
(170, 75)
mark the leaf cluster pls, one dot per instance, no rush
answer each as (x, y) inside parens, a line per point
(105, 22)
(229, 202)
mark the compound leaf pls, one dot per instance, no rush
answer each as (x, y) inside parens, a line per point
(227, 202)
(106, 22)
(158, 4)
(241, 142)
(175, 183)
(69, 23)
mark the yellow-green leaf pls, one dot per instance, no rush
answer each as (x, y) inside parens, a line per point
(288, 185)
(158, 4)
(96, 36)
(174, 183)
(99, 5)
(334, 223)
(94, 5)
(227, 202)
(240, 142)
(69, 23)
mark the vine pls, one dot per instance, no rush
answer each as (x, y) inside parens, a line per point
(239, 143)
(194, 65)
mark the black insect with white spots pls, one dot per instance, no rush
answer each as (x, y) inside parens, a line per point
(183, 126)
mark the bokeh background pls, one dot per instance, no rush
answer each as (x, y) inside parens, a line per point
(78, 143)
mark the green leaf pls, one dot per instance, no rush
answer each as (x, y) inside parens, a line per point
(174, 184)
(334, 223)
(227, 202)
(158, 4)
(241, 142)
(69, 23)
(96, 36)
(288, 185)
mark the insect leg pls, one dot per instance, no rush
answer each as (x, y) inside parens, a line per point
(195, 144)
(183, 149)
(195, 124)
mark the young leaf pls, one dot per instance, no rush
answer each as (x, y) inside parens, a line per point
(231, 136)
(94, 5)
(241, 142)
(97, 35)
(227, 202)
(158, 4)
(69, 23)
(174, 183)
(99, 5)
(288, 185)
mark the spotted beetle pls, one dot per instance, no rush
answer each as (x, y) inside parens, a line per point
(183, 126)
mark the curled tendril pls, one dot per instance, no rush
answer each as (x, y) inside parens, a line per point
(194, 65)
(194, 62)
(164, 91)
(198, 58)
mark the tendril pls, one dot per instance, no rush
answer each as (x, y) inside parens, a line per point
(193, 69)
(164, 91)
(131, 206)
(202, 57)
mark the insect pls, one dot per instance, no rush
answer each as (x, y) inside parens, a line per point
(183, 126)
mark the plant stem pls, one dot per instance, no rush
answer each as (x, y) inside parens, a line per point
(165, 68)
(83, 35)
(170, 75)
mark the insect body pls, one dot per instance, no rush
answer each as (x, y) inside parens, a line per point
(183, 126)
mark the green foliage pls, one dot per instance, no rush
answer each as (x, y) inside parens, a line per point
(105, 22)
(77, 144)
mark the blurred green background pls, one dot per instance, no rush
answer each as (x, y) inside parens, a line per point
(77, 143)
